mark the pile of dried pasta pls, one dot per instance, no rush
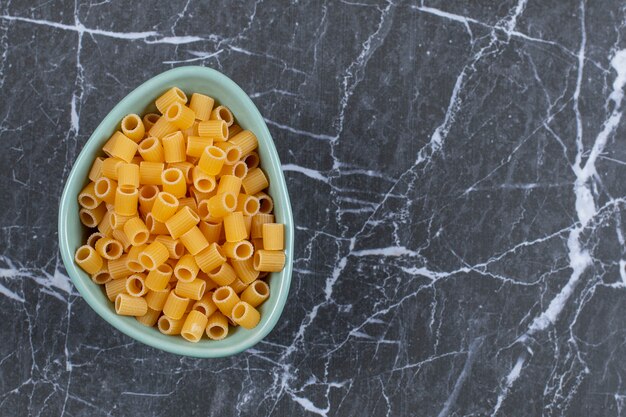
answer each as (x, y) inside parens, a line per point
(185, 232)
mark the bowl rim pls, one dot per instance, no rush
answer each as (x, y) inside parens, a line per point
(83, 285)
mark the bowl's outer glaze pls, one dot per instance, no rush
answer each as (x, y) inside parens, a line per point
(72, 233)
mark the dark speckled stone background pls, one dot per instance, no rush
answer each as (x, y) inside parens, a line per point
(457, 178)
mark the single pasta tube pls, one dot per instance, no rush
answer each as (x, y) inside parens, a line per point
(147, 197)
(180, 115)
(115, 287)
(162, 128)
(239, 169)
(256, 293)
(127, 305)
(214, 129)
(266, 204)
(120, 236)
(247, 141)
(212, 160)
(132, 259)
(91, 218)
(194, 240)
(181, 222)
(196, 145)
(155, 226)
(109, 167)
(105, 189)
(123, 147)
(217, 326)
(233, 152)
(229, 184)
(169, 326)
(210, 258)
(225, 299)
(205, 305)
(93, 239)
(171, 96)
(203, 182)
(126, 199)
(133, 127)
(269, 260)
(249, 205)
(149, 120)
(156, 299)
(211, 231)
(258, 220)
(102, 276)
(96, 169)
(118, 221)
(136, 286)
(273, 236)
(201, 105)
(150, 318)
(222, 113)
(151, 150)
(194, 326)
(174, 147)
(158, 278)
(151, 172)
(88, 198)
(175, 306)
(109, 248)
(240, 250)
(174, 182)
(221, 205)
(251, 160)
(118, 268)
(245, 315)
(153, 255)
(255, 181)
(234, 227)
(194, 290)
(88, 259)
(174, 247)
(245, 270)
(136, 231)
(164, 207)
(223, 275)
(205, 215)
(186, 168)
(186, 269)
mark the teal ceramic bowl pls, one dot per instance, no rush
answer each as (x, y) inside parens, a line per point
(72, 233)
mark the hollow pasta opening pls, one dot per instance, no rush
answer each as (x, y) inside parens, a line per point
(201, 308)
(257, 260)
(93, 238)
(215, 152)
(203, 209)
(252, 206)
(225, 115)
(88, 201)
(118, 303)
(168, 198)
(230, 202)
(233, 154)
(173, 111)
(260, 288)
(113, 249)
(216, 332)
(265, 205)
(240, 169)
(148, 192)
(149, 222)
(130, 122)
(87, 219)
(190, 336)
(180, 94)
(222, 293)
(134, 266)
(164, 269)
(164, 324)
(251, 160)
(102, 187)
(83, 253)
(225, 130)
(184, 273)
(216, 270)
(172, 175)
(101, 277)
(205, 185)
(146, 261)
(179, 248)
(152, 117)
(134, 285)
(127, 189)
(140, 238)
(239, 311)
(243, 251)
(148, 144)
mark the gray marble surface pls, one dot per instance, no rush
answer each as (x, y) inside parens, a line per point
(456, 172)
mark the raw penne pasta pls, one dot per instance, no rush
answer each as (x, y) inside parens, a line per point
(118, 221)
(249, 205)
(194, 326)
(194, 290)
(162, 128)
(233, 130)
(201, 105)
(211, 231)
(214, 129)
(239, 251)
(225, 299)
(105, 189)
(102, 276)
(239, 170)
(120, 236)
(223, 275)
(126, 199)
(229, 184)
(153, 255)
(196, 145)
(156, 299)
(93, 239)
(238, 286)
(194, 240)
(136, 286)
(109, 167)
(186, 168)
(118, 268)
(147, 197)
(158, 278)
(251, 160)
(202, 181)
(133, 128)
(210, 258)
(205, 305)
(186, 269)
(269, 260)
(123, 147)
(256, 230)
(132, 259)
(175, 248)
(221, 205)
(245, 270)
(170, 326)
(104, 226)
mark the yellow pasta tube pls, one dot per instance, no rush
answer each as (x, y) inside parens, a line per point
(155, 227)
(217, 326)
(156, 299)
(233, 130)
(105, 189)
(136, 286)
(203, 213)
(174, 147)
(240, 250)
(221, 205)
(251, 160)
(149, 120)
(233, 152)
(186, 269)
(153, 255)
(254, 182)
(266, 204)
(87, 198)
(169, 326)
(91, 218)
(247, 204)
(273, 236)
(104, 226)
(102, 276)
(164, 207)
(110, 144)
(174, 247)
(127, 305)
(245, 315)
(223, 275)
(186, 168)
(118, 221)
(234, 227)
(171, 96)
(246, 140)
(225, 299)
(238, 286)
(174, 182)
(229, 184)
(96, 169)
(109, 167)
(196, 145)
(247, 221)
(189, 202)
(136, 231)
(132, 259)
(180, 115)
(151, 150)
(126, 199)
(269, 260)
(239, 169)
(194, 326)
(88, 259)
(245, 270)
(212, 160)
(93, 239)
(133, 127)
(175, 306)
(118, 268)
(201, 105)
(214, 129)
(256, 230)
(151, 173)
(211, 231)
(181, 222)
(210, 258)
(120, 236)
(222, 113)
(150, 318)
(194, 240)
(201, 181)
(128, 175)
(256, 293)
(123, 147)
(115, 287)
(109, 248)
(192, 289)
(162, 128)
(158, 278)
(147, 196)
(205, 305)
